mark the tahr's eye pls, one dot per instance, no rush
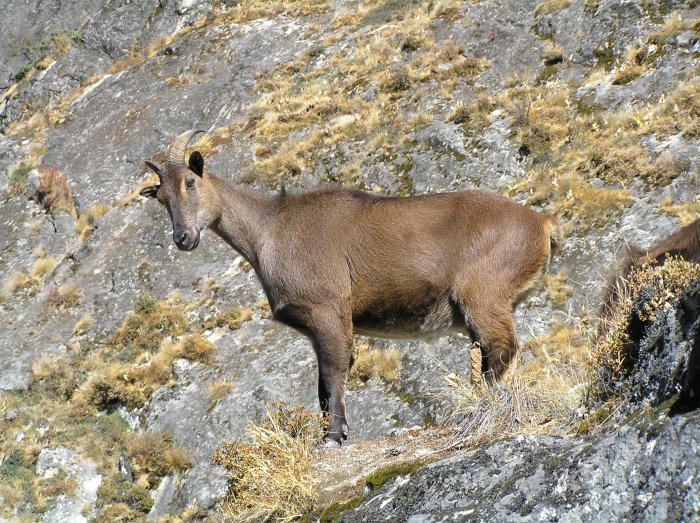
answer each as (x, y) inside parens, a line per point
(190, 183)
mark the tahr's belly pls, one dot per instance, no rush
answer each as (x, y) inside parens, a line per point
(427, 321)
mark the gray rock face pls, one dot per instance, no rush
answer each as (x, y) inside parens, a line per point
(207, 78)
(69, 509)
(643, 471)
(665, 361)
(637, 473)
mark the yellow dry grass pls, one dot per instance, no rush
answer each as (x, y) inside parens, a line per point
(247, 10)
(538, 394)
(155, 454)
(685, 213)
(83, 324)
(218, 391)
(87, 220)
(557, 288)
(32, 280)
(673, 25)
(378, 364)
(549, 7)
(321, 102)
(195, 347)
(575, 147)
(270, 479)
(64, 297)
(659, 286)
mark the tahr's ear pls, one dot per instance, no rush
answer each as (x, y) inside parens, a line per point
(149, 192)
(197, 163)
(153, 167)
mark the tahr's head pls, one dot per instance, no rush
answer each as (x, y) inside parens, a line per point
(185, 190)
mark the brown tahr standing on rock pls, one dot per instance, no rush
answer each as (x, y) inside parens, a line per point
(684, 243)
(335, 262)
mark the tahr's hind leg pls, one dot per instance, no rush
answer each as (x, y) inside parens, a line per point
(492, 326)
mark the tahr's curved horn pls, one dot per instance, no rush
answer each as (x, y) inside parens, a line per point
(177, 149)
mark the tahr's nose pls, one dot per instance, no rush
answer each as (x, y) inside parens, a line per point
(181, 238)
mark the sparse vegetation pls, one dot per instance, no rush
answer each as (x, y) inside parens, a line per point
(197, 348)
(337, 109)
(76, 394)
(253, 9)
(685, 213)
(87, 220)
(673, 25)
(557, 288)
(63, 297)
(656, 287)
(82, 325)
(553, 55)
(34, 279)
(537, 395)
(54, 193)
(218, 391)
(271, 478)
(153, 455)
(549, 7)
(232, 318)
(19, 176)
(323, 100)
(379, 364)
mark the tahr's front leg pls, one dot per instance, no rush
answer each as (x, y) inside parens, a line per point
(332, 337)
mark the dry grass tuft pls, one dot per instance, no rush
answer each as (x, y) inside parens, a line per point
(18, 177)
(87, 220)
(83, 324)
(553, 55)
(233, 318)
(42, 268)
(271, 479)
(516, 405)
(633, 68)
(247, 10)
(151, 321)
(197, 348)
(654, 288)
(378, 364)
(673, 26)
(154, 454)
(192, 514)
(53, 376)
(54, 193)
(557, 289)
(685, 213)
(33, 280)
(120, 384)
(448, 9)
(218, 391)
(538, 394)
(473, 117)
(549, 7)
(63, 297)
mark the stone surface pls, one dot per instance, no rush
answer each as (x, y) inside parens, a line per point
(207, 79)
(68, 509)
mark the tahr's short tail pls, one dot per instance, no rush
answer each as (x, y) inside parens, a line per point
(552, 230)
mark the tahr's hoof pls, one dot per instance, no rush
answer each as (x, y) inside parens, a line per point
(336, 435)
(330, 443)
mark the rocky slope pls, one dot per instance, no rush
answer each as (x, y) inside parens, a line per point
(586, 109)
